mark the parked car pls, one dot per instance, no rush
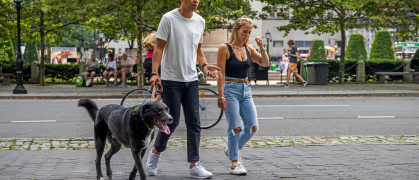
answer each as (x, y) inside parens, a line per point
(304, 53)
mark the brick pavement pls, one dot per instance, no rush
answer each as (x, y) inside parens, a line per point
(264, 163)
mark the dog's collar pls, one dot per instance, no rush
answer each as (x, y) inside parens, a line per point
(139, 109)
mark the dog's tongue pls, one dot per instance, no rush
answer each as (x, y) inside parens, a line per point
(165, 128)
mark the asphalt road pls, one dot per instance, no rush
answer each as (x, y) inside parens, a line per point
(277, 117)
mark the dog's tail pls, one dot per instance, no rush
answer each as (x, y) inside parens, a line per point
(90, 106)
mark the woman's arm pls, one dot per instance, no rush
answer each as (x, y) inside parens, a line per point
(263, 59)
(222, 56)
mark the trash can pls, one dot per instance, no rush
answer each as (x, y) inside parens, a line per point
(316, 72)
(274, 66)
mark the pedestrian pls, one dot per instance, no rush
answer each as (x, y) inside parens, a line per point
(126, 65)
(110, 69)
(285, 62)
(149, 43)
(92, 66)
(415, 61)
(179, 36)
(234, 93)
(292, 68)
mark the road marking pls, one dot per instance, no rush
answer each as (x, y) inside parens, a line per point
(268, 118)
(35, 121)
(374, 117)
(302, 105)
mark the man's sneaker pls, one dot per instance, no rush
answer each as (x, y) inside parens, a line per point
(305, 83)
(199, 172)
(88, 83)
(152, 162)
(115, 84)
(123, 85)
(412, 70)
(108, 84)
(238, 168)
(285, 85)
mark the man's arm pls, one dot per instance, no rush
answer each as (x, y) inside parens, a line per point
(157, 55)
(209, 70)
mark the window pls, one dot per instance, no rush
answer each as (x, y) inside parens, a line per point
(303, 43)
(337, 43)
(278, 44)
(280, 13)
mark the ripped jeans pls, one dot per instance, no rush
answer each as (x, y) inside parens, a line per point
(239, 107)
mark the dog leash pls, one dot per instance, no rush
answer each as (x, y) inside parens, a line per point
(156, 88)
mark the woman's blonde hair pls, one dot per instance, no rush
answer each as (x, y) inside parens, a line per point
(237, 25)
(150, 41)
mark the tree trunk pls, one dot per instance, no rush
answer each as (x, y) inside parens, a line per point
(342, 53)
(42, 34)
(140, 71)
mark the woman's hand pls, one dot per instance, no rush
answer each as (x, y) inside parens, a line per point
(259, 42)
(222, 103)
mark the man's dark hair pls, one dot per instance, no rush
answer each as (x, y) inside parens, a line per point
(291, 42)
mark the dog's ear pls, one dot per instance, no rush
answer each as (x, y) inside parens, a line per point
(146, 108)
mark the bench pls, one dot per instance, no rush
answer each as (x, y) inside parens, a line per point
(384, 76)
(5, 78)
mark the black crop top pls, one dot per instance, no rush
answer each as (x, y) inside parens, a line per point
(235, 68)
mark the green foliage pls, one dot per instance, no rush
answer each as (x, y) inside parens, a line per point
(382, 46)
(356, 47)
(31, 53)
(317, 50)
(7, 53)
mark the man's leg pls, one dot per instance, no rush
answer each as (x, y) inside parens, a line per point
(190, 104)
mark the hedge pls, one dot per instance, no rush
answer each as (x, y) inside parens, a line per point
(356, 47)
(317, 50)
(382, 46)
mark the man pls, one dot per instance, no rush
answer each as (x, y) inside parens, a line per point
(292, 68)
(126, 69)
(92, 69)
(179, 36)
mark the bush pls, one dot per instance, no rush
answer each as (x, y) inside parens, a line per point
(382, 46)
(31, 53)
(356, 47)
(7, 52)
(317, 50)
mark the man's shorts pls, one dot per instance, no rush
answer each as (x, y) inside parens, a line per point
(90, 71)
(127, 72)
(292, 68)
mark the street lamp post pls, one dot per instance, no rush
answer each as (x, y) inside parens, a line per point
(268, 37)
(19, 89)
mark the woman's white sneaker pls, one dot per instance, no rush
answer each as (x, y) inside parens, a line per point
(199, 172)
(238, 168)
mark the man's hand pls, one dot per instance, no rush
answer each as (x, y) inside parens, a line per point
(211, 71)
(155, 79)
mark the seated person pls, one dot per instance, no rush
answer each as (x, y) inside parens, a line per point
(110, 69)
(126, 64)
(415, 61)
(92, 66)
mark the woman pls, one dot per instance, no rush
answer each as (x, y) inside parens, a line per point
(234, 94)
(110, 69)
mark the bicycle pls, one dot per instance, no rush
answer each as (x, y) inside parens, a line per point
(209, 112)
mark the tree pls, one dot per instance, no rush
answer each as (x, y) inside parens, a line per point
(132, 19)
(317, 50)
(382, 46)
(323, 16)
(403, 15)
(356, 47)
(31, 53)
(42, 18)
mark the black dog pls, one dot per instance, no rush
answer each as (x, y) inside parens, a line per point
(132, 127)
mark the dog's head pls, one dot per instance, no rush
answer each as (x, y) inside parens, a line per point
(158, 113)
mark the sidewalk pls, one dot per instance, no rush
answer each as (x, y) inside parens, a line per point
(70, 91)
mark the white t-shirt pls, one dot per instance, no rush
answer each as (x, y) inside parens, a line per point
(129, 61)
(182, 36)
(111, 64)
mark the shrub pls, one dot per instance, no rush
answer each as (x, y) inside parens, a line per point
(31, 53)
(382, 46)
(317, 50)
(356, 47)
(7, 52)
